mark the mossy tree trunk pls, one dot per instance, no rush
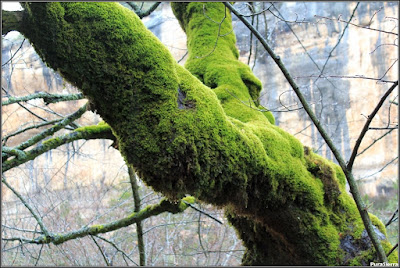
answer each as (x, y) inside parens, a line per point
(187, 133)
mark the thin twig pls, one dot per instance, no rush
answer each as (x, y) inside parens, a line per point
(66, 121)
(199, 235)
(52, 143)
(375, 141)
(22, 43)
(380, 170)
(116, 247)
(32, 113)
(149, 211)
(101, 251)
(34, 214)
(393, 249)
(338, 42)
(391, 218)
(203, 212)
(304, 48)
(218, 35)
(5, 138)
(172, 223)
(360, 26)
(22, 230)
(253, 14)
(40, 254)
(348, 77)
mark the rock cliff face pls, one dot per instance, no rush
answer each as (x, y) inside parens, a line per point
(326, 57)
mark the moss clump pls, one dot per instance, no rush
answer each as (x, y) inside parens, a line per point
(96, 228)
(185, 201)
(324, 171)
(184, 137)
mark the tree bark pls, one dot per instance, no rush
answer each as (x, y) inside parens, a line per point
(182, 137)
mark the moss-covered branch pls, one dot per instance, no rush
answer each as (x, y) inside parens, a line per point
(149, 211)
(50, 131)
(47, 98)
(12, 151)
(7, 152)
(101, 131)
(39, 125)
(183, 137)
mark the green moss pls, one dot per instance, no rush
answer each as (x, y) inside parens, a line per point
(96, 228)
(185, 201)
(378, 223)
(99, 128)
(394, 257)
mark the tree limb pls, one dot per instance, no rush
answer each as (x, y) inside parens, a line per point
(87, 133)
(148, 211)
(139, 227)
(33, 140)
(5, 138)
(47, 98)
(349, 176)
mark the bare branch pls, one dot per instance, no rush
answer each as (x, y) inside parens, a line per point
(149, 11)
(117, 248)
(21, 230)
(32, 113)
(101, 251)
(366, 126)
(139, 228)
(349, 77)
(392, 218)
(338, 42)
(218, 35)
(203, 212)
(34, 214)
(47, 98)
(393, 249)
(149, 211)
(15, 53)
(380, 170)
(360, 26)
(375, 141)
